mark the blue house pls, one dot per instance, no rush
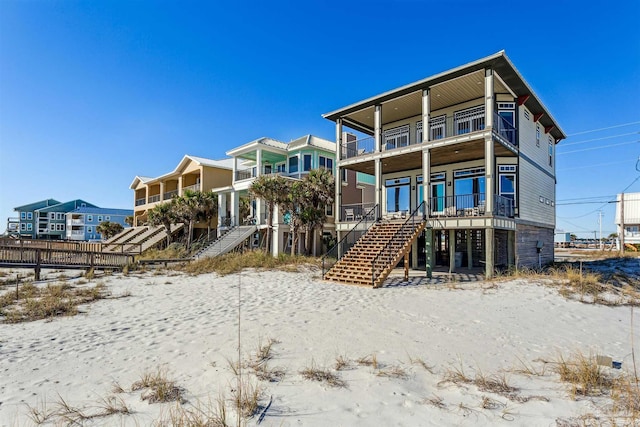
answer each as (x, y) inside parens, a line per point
(27, 218)
(83, 221)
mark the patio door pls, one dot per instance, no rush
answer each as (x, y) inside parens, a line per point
(437, 197)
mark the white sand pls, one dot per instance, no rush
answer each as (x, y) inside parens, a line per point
(190, 326)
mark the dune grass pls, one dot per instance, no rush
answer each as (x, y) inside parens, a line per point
(158, 387)
(32, 302)
(235, 262)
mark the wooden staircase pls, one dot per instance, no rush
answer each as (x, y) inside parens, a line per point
(376, 253)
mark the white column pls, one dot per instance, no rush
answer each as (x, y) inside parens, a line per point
(337, 206)
(426, 112)
(235, 168)
(258, 162)
(222, 210)
(488, 98)
(489, 172)
(377, 120)
(426, 179)
(378, 179)
(180, 186)
(162, 191)
(235, 208)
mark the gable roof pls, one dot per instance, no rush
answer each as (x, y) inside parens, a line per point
(250, 146)
(498, 62)
(66, 206)
(102, 211)
(222, 164)
(312, 141)
(36, 205)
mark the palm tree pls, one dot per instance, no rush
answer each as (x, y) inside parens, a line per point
(319, 190)
(271, 190)
(109, 229)
(163, 214)
(187, 209)
(129, 220)
(291, 202)
(208, 203)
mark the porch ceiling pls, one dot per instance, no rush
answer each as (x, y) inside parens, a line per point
(458, 153)
(267, 157)
(448, 93)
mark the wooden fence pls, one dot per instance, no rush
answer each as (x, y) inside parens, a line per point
(65, 245)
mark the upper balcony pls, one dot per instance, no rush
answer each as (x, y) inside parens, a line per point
(441, 128)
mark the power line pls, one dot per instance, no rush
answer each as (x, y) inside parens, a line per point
(598, 139)
(599, 148)
(601, 129)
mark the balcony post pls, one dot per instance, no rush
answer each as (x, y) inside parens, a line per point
(426, 179)
(222, 210)
(234, 169)
(488, 98)
(489, 171)
(180, 186)
(377, 120)
(161, 191)
(235, 208)
(338, 141)
(489, 251)
(426, 112)
(378, 178)
(258, 162)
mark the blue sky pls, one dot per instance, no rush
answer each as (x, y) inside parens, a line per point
(94, 93)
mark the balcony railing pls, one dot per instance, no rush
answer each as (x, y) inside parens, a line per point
(194, 187)
(469, 205)
(170, 194)
(227, 221)
(440, 127)
(154, 198)
(140, 202)
(243, 174)
(355, 212)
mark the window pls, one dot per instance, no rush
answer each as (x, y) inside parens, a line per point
(267, 169)
(89, 218)
(550, 151)
(89, 229)
(52, 215)
(537, 135)
(99, 218)
(23, 226)
(60, 216)
(281, 167)
(469, 188)
(306, 162)
(398, 194)
(469, 120)
(29, 215)
(396, 137)
(59, 227)
(23, 215)
(343, 172)
(329, 210)
(507, 181)
(325, 163)
(107, 218)
(29, 226)
(507, 110)
(293, 164)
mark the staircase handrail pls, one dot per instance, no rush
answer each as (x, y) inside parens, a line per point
(365, 218)
(218, 241)
(393, 239)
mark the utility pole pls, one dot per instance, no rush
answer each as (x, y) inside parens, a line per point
(600, 223)
(621, 236)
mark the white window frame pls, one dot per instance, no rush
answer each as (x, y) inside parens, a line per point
(304, 159)
(23, 215)
(99, 218)
(23, 226)
(508, 107)
(29, 226)
(107, 218)
(328, 210)
(396, 137)
(325, 162)
(281, 167)
(89, 218)
(59, 227)
(89, 230)
(60, 216)
(52, 215)
(508, 170)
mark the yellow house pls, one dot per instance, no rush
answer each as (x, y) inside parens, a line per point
(192, 173)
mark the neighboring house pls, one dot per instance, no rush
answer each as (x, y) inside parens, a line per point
(52, 220)
(27, 218)
(473, 150)
(82, 222)
(192, 173)
(267, 156)
(631, 230)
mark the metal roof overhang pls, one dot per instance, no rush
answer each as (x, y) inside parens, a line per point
(359, 116)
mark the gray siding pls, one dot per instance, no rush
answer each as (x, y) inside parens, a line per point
(526, 238)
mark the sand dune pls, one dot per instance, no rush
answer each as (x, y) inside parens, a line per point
(189, 326)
